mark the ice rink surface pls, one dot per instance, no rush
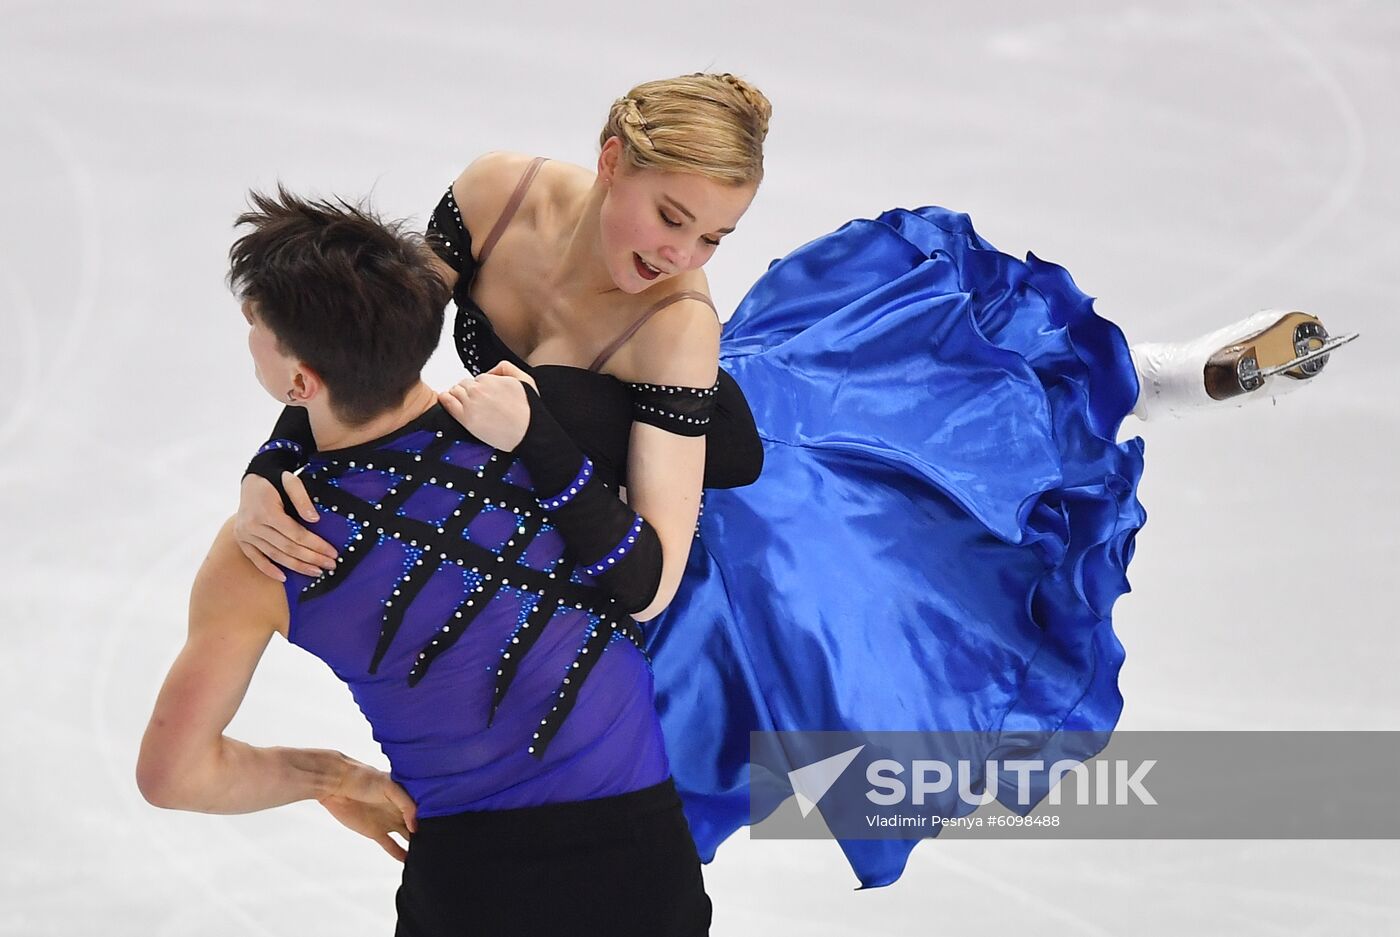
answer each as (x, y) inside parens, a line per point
(1188, 162)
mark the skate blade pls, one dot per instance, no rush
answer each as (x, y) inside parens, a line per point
(1311, 355)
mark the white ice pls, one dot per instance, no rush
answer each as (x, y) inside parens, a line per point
(1189, 162)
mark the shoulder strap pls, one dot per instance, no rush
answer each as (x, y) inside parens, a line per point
(512, 206)
(661, 304)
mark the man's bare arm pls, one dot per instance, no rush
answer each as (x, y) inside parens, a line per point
(186, 761)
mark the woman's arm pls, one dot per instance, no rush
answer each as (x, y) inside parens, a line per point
(619, 544)
(286, 449)
(612, 543)
(679, 347)
(733, 450)
(271, 498)
(664, 475)
(638, 549)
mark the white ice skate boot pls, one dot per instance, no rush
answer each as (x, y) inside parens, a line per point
(1265, 355)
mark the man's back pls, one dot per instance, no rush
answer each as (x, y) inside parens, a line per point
(494, 672)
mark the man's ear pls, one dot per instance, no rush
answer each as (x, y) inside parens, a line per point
(306, 383)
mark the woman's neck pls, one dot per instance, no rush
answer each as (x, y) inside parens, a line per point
(581, 270)
(332, 433)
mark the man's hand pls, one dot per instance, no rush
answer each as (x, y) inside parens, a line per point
(370, 803)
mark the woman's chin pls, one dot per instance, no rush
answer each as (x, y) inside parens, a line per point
(628, 282)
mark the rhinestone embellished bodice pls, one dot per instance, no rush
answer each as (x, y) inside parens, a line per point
(494, 672)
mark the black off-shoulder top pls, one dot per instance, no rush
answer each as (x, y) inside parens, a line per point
(596, 409)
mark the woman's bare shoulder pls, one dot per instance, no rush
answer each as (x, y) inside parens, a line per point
(679, 344)
(484, 188)
(561, 185)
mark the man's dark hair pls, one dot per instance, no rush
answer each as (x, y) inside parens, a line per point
(353, 296)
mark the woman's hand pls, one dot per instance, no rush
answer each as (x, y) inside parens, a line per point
(370, 803)
(266, 535)
(492, 407)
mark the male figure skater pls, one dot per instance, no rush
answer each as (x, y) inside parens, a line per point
(503, 679)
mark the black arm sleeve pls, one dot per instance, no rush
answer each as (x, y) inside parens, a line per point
(737, 458)
(733, 451)
(615, 544)
(286, 450)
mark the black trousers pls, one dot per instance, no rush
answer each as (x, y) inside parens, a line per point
(615, 866)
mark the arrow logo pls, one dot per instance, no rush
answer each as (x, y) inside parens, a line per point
(811, 783)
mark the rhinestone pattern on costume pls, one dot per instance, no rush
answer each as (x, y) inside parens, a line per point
(273, 445)
(479, 523)
(622, 549)
(448, 237)
(572, 489)
(683, 410)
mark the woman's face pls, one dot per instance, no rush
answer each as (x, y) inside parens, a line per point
(655, 225)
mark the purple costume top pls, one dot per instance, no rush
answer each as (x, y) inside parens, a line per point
(493, 670)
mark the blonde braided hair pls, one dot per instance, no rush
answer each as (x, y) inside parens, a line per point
(762, 109)
(713, 125)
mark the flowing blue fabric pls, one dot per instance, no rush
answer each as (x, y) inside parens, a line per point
(941, 528)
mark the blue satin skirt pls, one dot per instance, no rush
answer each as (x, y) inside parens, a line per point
(941, 528)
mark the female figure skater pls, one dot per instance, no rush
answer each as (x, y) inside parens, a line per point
(943, 517)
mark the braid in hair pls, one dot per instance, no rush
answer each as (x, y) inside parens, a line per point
(632, 117)
(762, 109)
(709, 124)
